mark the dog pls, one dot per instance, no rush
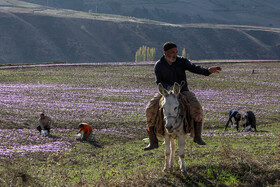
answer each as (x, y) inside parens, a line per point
(249, 121)
(234, 119)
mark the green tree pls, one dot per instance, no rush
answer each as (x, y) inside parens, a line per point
(148, 54)
(145, 53)
(184, 54)
(152, 54)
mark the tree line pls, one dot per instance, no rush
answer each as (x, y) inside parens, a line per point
(144, 54)
(148, 54)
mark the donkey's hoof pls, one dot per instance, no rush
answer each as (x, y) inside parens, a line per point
(184, 173)
(166, 170)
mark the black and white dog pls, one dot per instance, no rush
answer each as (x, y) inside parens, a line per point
(234, 118)
(249, 121)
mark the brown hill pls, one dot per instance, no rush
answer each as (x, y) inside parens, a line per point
(46, 35)
(242, 12)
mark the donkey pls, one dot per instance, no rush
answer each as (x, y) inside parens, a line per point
(174, 127)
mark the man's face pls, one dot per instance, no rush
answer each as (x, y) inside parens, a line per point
(171, 54)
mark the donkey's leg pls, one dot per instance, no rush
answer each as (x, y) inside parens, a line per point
(167, 153)
(173, 148)
(181, 142)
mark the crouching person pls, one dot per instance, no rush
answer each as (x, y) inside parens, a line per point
(45, 123)
(85, 132)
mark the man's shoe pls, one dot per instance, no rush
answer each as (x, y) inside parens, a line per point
(151, 146)
(197, 133)
(198, 140)
(152, 138)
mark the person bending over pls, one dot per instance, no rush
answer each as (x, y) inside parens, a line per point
(86, 132)
(45, 123)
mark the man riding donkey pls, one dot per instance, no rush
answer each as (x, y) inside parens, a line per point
(168, 70)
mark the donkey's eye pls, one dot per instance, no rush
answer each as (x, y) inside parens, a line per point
(175, 108)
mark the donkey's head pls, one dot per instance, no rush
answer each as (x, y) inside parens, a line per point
(170, 105)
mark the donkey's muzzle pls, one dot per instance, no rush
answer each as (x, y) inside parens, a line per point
(169, 128)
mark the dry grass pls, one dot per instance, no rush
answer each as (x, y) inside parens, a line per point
(116, 158)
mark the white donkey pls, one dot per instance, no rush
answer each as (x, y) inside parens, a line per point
(174, 127)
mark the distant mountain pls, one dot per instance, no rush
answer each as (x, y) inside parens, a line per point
(241, 12)
(33, 33)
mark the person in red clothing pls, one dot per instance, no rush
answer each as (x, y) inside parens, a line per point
(86, 132)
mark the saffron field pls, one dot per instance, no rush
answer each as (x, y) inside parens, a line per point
(112, 98)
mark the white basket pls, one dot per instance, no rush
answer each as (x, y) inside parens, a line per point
(78, 136)
(44, 133)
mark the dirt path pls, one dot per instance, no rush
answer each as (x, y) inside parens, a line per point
(11, 66)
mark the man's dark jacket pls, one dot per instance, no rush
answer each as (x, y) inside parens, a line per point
(167, 74)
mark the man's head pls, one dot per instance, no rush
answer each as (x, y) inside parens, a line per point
(81, 126)
(42, 116)
(238, 116)
(170, 52)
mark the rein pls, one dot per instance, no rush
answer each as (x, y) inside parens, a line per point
(177, 125)
(177, 117)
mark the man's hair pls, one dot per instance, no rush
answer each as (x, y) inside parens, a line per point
(81, 126)
(169, 45)
(42, 114)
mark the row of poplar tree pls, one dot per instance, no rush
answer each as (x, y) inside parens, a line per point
(147, 54)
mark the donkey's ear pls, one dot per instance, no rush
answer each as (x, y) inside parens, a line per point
(176, 89)
(162, 90)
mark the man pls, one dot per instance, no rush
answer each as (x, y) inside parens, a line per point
(86, 132)
(168, 70)
(45, 123)
(234, 118)
(249, 121)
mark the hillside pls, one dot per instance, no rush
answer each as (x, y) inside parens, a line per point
(32, 33)
(243, 12)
